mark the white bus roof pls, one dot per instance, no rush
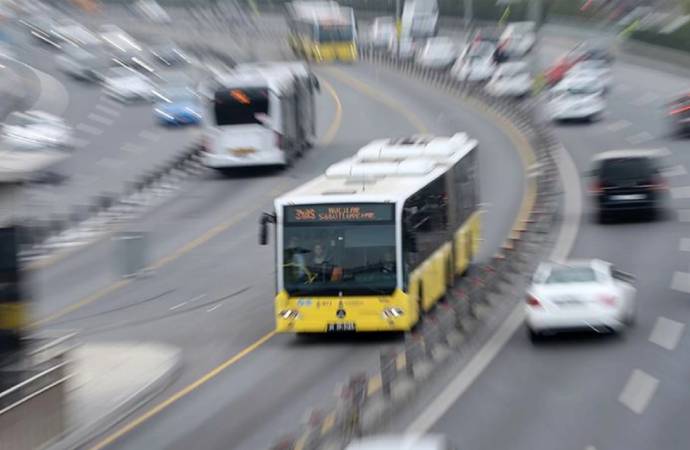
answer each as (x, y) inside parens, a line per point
(320, 11)
(275, 79)
(387, 170)
(294, 67)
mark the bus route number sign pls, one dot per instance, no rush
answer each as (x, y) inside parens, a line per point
(339, 213)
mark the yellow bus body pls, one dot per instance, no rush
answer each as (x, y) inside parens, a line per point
(428, 284)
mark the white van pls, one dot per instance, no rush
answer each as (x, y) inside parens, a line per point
(518, 39)
(261, 115)
(420, 18)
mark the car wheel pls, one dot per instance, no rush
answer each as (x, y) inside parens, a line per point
(533, 335)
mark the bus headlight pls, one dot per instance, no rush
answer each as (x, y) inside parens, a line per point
(392, 313)
(289, 314)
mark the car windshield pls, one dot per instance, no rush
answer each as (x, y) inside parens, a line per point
(339, 248)
(626, 168)
(565, 275)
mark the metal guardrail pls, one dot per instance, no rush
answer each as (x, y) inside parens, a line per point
(365, 400)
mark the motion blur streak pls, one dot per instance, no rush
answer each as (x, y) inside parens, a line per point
(181, 393)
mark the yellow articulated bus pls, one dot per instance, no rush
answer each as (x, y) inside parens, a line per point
(322, 31)
(379, 238)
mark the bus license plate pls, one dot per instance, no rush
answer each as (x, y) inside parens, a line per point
(337, 327)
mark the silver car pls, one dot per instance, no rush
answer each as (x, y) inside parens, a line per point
(37, 130)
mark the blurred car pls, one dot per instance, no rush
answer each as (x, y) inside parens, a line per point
(679, 115)
(119, 40)
(382, 31)
(437, 53)
(579, 295)
(169, 55)
(128, 85)
(476, 63)
(594, 68)
(151, 10)
(511, 79)
(72, 32)
(576, 98)
(404, 442)
(7, 47)
(84, 63)
(595, 50)
(407, 47)
(628, 181)
(556, 72)
(42, 29)
(179, 106)
(37, 130)
(518, 39)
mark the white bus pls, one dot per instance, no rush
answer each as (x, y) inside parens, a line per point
(379, 238)
(261, 114)
(419, 19)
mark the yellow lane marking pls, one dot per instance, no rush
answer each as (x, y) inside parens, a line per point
(386, 100)
(207, 236)
(374, 385)
(337, 118)
(328, 423)
(400, 361)
(181, 393)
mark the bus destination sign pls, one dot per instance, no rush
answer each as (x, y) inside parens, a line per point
(371, 212)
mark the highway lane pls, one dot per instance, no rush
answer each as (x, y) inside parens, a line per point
(601, 392)
(225, 303)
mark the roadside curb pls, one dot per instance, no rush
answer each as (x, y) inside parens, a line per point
(81, 436)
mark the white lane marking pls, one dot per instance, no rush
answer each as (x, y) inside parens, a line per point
(150, 136)
(617, 126)
(675, 171)
(108, 110)
(566, 239)
(684, 215)
(191, 300)
(666, 333)
(623, 87)
(664, 152)
(130, 148)
(638, 391)
(681, 282)
(53, 96)
(639, 138)
(684, 245)
(85, 180)
(214, 307)
(90, 129)
(590, 447)
(100, 119)
(645, 99)
(110, 101)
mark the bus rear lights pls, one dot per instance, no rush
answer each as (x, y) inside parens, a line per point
(289, 314)
(392, 313)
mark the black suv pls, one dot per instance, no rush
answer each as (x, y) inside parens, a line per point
(625, 181)
(679, 115)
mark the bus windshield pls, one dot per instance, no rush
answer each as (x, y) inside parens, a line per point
(335, 33)
(240, 106)
(333, 249)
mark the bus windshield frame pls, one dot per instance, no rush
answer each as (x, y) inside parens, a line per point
(334, 252)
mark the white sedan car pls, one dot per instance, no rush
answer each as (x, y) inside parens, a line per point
(593, 68)
(37, 130)
(511, 79)
(404, 442)
(128, 85)
(584, 294)
(437, 53)
(476, 63)
(577, 97)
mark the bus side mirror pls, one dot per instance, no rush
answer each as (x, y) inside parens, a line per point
(316, 83)
(266, 218)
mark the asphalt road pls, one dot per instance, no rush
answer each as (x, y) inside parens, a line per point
(116, 144)
(213, 297)
(602, 392)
